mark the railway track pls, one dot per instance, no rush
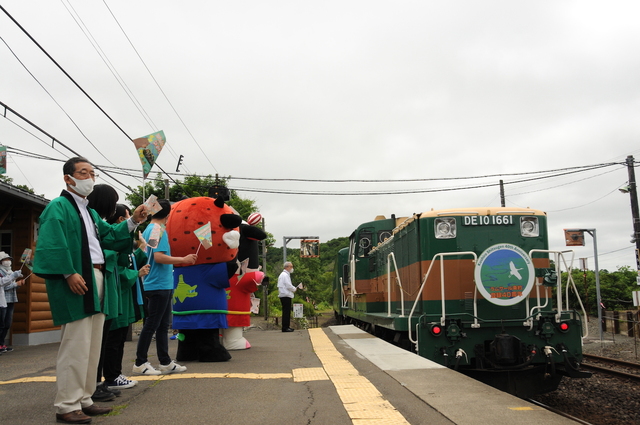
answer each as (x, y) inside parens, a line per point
(615, 367)
(559, 412)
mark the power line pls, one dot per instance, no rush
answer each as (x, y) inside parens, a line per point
(84, 92)
(7, 108)
(561, 171)
(105, 59)
(54, 100)
(160, 88)
(63, 71)
(558, 173)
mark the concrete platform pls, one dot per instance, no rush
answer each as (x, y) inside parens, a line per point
(336, 375)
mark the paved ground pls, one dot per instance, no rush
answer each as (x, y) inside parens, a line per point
(337, 375)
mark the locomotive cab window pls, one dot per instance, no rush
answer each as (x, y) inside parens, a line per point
(364, 243)
(345, 275)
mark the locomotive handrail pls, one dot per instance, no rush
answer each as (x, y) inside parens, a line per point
(343, 295)
(352, 279)
(559, 255)
(395, 265)
(585, 328)
(424, 281)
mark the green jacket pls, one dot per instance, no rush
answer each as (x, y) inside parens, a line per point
(130, 311)
(60, 251)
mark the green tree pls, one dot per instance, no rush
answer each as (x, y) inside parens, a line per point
(615, 289)
(316, 275)
(9, 180)
(191, 186)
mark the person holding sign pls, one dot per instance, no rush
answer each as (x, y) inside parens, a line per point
(158, 289)
(69, 256)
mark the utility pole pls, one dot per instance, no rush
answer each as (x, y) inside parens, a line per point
(502, 204)
(265, 285)
(634, 209)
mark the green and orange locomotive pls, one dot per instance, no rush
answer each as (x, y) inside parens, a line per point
(474, 289)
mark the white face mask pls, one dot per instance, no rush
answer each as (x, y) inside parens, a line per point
(83, 187)
(291, 270)
(6, 263)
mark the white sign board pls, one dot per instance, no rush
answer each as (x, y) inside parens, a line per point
(298, 311)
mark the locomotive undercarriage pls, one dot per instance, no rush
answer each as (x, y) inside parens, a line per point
(505, 362)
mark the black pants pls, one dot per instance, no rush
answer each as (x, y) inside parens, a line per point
(105, 333)
(113, 353)
(286, 312)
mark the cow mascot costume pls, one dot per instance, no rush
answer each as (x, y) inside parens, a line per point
(243, 284)
(206, 227)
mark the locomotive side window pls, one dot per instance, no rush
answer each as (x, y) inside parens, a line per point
(364, 243)
(445, 227)
(529, 227)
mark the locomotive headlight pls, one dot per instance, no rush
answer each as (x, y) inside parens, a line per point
(445, 228)
(564, 327)
(529, 227)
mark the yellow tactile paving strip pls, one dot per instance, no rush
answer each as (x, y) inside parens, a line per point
(361, 399)
(309, 374)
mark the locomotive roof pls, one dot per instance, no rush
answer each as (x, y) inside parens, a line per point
(483, 211)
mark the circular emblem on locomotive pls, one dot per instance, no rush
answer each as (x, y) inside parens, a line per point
(504, 274)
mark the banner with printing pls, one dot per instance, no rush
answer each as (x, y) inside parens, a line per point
(149, 148)
(3, 159)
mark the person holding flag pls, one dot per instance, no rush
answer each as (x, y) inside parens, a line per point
(9, 281)
(158, 289)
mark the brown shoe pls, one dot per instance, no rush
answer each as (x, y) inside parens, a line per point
(76, 417)
(94, 410)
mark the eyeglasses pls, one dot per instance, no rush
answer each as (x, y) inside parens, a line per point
(86, 173)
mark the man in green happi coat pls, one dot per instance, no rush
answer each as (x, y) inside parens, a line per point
(69, 256)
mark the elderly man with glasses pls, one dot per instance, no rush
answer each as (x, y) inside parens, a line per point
(69, 256)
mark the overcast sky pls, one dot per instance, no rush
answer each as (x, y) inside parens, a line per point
(342, 90)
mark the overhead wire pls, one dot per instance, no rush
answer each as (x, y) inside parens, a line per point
(558, 173)
(105, 59)
(159, 87)
(54, 100)
(78, 86)
(64, 71)
(401, 191)
(7, 108)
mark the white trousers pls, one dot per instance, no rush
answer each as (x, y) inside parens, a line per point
(78, 356)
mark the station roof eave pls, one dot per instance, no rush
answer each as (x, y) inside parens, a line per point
(8, 190)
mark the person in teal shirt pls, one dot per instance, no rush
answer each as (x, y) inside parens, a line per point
(158, 289)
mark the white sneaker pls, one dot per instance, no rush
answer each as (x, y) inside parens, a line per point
(121, 382)
(127, 379)
(145, 369)
(172, 367)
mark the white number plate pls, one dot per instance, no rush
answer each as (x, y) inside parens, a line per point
(487, 220)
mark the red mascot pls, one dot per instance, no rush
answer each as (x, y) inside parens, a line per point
(243, 284)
